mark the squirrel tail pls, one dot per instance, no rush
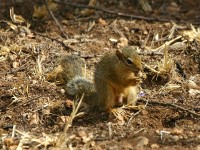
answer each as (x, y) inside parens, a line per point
(80, 85)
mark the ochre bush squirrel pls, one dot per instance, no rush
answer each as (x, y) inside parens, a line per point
(116, 80)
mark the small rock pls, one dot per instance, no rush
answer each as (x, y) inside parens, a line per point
(82, 133)
(175, 138)
(141, 141)
(167, 24)
(126, 29)
(155, 146)
(127, 145)
(92, 143)
(190, 134)
(13, 147)
(198, 137)
(157, 132)
(193, 92)
(174, 4)
(62, 91)
(113, 40)
(177, 131)
(145, 32)
(144, 112)
(198, 147)
(15, 64)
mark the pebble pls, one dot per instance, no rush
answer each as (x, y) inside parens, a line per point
(155, 146)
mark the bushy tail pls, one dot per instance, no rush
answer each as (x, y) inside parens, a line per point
(80, 85)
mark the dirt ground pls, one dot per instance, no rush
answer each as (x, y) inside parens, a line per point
(36, 114)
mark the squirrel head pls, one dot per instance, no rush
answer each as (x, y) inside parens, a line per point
(130, 58)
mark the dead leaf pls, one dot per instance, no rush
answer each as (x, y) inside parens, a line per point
(35, 119)
(86, 138)
(41, 13)
(65, 119)
(145, 6)
(170, 87)
(193, 34)
(122, 42)
(16, 18)
(10, 142)
(165, 66)
(68, 103)
(192, 85)
(88, 12)
(103, 22)
(15, 64)
(4, 50)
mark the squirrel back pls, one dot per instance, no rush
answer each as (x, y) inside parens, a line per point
(67, 68)
(73, 66)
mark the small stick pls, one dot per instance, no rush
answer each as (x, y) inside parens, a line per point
(61, 139)
(109, 130)
(150, 68)
(90, 56)
(170, 104)
(151, 53)
(54, 18)
(168, 43)
(13, 131)
(108, 11)
(28, 101)
(53, 39)
(136, 113)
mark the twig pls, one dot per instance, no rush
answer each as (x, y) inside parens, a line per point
(119, 14)
(13, 131)
(151, 53)
(61, 141)
(90, 56)
(28, 101)
(109, 130)
(25, 135)
(180, 70)
(171, 105)
(150, 68)
(3, 108)
(139, 131)
(108, 11)
(168, 43)
(53, 39)
(54, 18)
(134, 114)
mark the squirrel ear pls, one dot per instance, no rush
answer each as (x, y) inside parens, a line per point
(119, 54)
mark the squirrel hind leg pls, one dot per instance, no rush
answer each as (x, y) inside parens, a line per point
(106, 97)
(120, 100)
(131, 95)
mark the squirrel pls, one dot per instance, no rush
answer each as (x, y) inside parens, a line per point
(116, 80)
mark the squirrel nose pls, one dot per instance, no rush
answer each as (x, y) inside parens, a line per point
(136, 70)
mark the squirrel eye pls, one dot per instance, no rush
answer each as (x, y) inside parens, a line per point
(129, 61)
